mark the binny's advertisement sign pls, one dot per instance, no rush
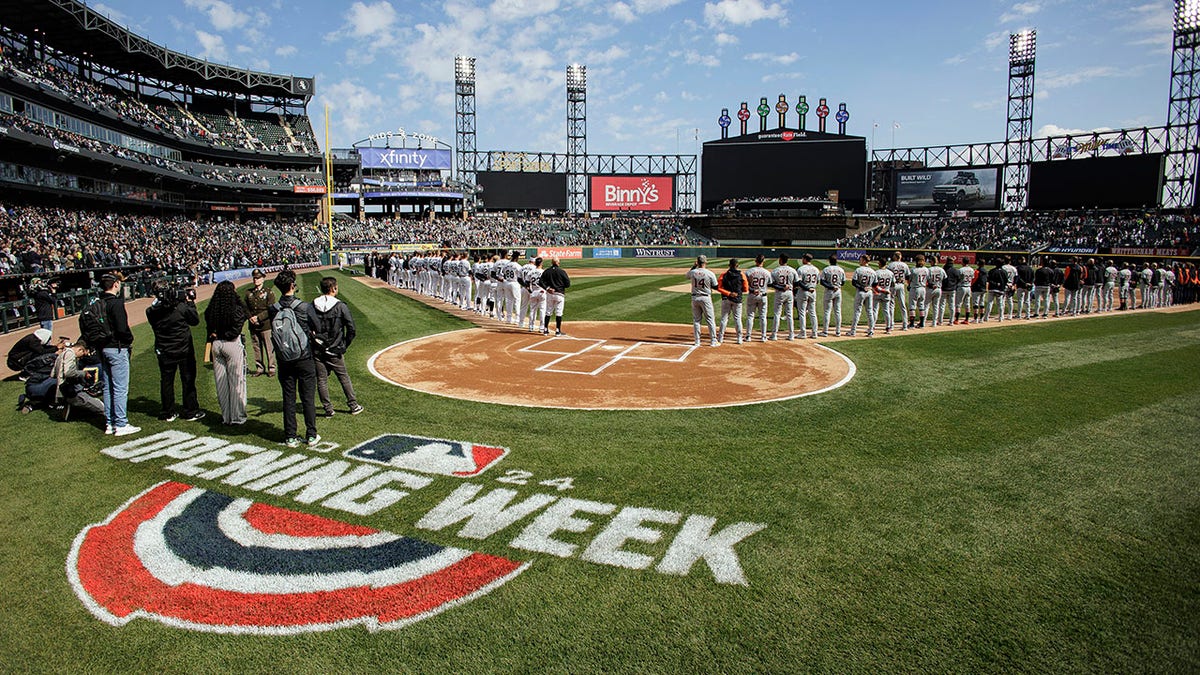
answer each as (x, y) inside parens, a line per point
(632, 193)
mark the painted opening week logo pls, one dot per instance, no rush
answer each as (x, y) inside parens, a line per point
(188, 556)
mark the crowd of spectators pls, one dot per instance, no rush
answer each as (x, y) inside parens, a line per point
(162, 117)
(1033, 231)
(495, 231)
(43, 240)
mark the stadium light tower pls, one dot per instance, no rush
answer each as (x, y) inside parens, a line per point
(1018, 146)
(576, 138)
(1183, 111)
(464, 118)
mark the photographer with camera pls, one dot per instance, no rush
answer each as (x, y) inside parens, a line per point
(72, 380)
(171, 317)
(45, 301)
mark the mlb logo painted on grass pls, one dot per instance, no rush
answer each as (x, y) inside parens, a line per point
(191, 558)
(460, 459)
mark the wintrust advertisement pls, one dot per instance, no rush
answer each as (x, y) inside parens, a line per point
(632, 193)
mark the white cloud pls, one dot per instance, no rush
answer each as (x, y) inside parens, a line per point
(741, 12)
(725, 39)
(222, 15)
(286, 50)
(628, 12)
(116, 15)
(212, 47)
(370, 21)
(512, 10)
(782, 77)
(1058, 80)
(1055, 130)
(995, 40)
(781, 59)
(613, 53)
(695, 58)
(1020, 11)
(1155, 22)
(352, 108)
(955, 60)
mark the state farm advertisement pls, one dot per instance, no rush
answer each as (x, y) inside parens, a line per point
(632, 193)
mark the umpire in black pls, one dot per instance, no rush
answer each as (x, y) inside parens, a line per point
(171, 317)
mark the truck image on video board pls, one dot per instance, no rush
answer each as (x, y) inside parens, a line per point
(933, 189)
(961, 189)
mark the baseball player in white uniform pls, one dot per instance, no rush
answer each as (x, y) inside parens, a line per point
(899, 270)
(759, 279)
(806, 295)
(703, 284)
(537, 295)
(918, 281)
(510, 290)
(863, 281)
(833, 277)
(962, 293)
(783, 280)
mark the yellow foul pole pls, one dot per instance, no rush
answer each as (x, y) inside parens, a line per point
(328, 185)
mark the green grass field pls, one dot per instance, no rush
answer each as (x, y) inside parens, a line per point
(1024, 498)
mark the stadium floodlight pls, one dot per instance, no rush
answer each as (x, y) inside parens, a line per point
(576, 77)
(1022, 46)
(1187, 15)
(464, 68)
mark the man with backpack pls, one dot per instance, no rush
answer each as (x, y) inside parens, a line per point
(104, 326)
(292, 337)
(333, 328)
(731, 285)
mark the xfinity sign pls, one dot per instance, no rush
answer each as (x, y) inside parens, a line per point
(404, 158)
(632, 193)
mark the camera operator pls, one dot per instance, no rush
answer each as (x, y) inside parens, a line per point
(35, 344)
(71, 377)
(45, 301)
(171, 316)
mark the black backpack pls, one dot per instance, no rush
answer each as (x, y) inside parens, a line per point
(38, 368)
(93, 324)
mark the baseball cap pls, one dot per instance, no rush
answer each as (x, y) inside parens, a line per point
(43, 335)
(258, 274)
(702, 259)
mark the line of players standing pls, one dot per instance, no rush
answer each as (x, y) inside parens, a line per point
(499, 287)
(949, 294)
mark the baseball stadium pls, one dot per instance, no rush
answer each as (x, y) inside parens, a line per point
(906, 409)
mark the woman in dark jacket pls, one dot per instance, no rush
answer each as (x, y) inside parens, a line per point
(224, 319)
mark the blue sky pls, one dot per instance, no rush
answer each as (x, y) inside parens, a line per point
(659, 70)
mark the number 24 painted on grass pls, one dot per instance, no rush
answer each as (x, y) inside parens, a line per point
(519, 477)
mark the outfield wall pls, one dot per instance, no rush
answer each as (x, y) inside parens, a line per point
(822, 253)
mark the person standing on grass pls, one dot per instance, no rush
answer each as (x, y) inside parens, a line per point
(171, 317)
(257, 300)
(292, 336)
(223, 319)
(114, 355)
(556, 282)
(703, 284)
(333, 328)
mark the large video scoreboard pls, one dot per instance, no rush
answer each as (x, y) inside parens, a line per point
(522, 190)
(784, 163)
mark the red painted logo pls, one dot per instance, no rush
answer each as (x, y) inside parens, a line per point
(788, 135)
(192, 558)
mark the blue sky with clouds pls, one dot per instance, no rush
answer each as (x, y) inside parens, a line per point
(659, 70)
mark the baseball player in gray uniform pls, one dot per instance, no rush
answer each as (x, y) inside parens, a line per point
(833, 277)
(703, 284)
(759, 279)
(884, 281)
(783, 280)
(933, 293)
(864, 295)
(899, 270)
(806, 295)
(962, 293)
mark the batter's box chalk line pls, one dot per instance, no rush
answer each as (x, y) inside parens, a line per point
(624, 354)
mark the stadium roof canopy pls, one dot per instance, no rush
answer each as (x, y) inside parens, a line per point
(73, 28)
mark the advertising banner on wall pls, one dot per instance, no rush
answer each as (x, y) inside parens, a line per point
(632, 193)
(599, 252)
(959, 189)
(654, 253)
(560, 252)
(417, 159)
